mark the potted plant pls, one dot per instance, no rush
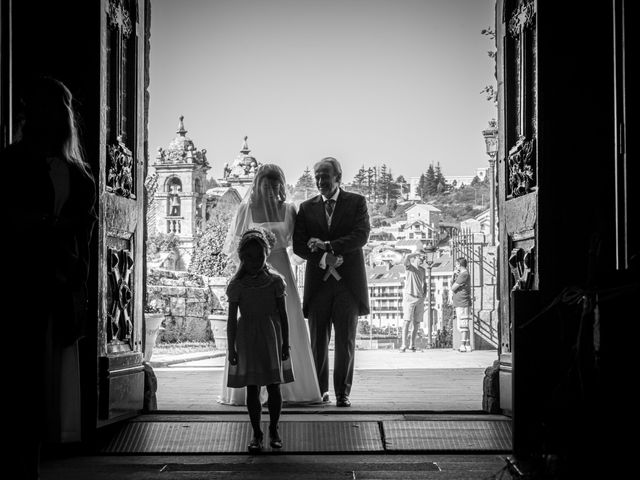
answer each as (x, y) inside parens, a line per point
(155, 311)
(218, 316)
(218, 324)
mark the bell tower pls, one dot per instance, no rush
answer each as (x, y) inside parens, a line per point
(179, 201)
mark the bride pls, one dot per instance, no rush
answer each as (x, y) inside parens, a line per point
(264, 205)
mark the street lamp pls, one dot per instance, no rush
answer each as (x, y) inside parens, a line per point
(429, 257)
(491, 142)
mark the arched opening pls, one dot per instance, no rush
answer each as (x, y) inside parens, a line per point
(173, 189)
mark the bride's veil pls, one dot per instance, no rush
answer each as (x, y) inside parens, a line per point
(240, 222)
(256, 200)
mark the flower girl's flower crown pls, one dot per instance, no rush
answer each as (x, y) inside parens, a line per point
(262, 235)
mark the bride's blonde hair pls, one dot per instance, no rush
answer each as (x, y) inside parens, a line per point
(270, 171)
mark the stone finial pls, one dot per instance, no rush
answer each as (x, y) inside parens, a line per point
(245, 147)
(181, 131)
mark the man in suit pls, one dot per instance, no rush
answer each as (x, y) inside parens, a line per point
(329, 233)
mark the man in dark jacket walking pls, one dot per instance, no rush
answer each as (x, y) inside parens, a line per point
(330, 231)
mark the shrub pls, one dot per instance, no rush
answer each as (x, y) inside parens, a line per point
(208, 258)
(161, 242)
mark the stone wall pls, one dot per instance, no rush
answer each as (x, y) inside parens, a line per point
(486, 303)
(187, 300)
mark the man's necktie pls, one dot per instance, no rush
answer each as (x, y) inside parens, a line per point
(328, 206)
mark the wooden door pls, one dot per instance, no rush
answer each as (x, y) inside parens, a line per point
(121, 232)
(100, 51)
(625, 95)
(517, 173)
(5, 73)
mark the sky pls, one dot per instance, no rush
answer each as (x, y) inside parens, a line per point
(365, 81)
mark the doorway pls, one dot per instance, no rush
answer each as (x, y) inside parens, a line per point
(385, 158)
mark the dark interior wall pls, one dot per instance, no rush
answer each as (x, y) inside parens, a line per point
(577, 138)
(62, 40)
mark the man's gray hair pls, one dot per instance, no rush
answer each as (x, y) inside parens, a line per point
(335, 164)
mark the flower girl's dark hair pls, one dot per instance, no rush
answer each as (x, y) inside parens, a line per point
(263, 237)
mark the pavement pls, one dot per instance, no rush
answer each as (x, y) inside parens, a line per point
(160, 360)
(384, 381)
(365, 359)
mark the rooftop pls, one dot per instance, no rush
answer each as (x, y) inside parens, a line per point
(181, 150)
(423, 206)
(409, 243)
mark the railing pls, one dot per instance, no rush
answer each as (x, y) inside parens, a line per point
(173, 226)
(387, 309)
(385, 295)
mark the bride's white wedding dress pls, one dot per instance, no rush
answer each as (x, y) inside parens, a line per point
(305, 388)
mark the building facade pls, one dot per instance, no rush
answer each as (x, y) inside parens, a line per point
(386, 286)
(241, 171)
(179, 201)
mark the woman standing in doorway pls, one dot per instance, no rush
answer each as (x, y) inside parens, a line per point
(52, 191)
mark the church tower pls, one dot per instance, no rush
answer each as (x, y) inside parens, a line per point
(179, 201)
(243, 169)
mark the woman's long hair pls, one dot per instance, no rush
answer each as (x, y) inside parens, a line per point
(270, 171)
(50, 121)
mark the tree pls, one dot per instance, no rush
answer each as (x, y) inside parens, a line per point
(162, 242)
(291, 191)
(372, 179)
(422, 186)
(208, 258)
(359, 184)
(391, 207)
(440, 181)
(386, 187)
(306, 180)
(430, 181)
(394, 189)
(159, 243)
(306, 185)
(404, 185)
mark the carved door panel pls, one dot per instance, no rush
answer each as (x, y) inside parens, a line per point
(120, 330)
(517, 172)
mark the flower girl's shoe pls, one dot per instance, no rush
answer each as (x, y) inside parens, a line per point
(274, 438)
(255, 445)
